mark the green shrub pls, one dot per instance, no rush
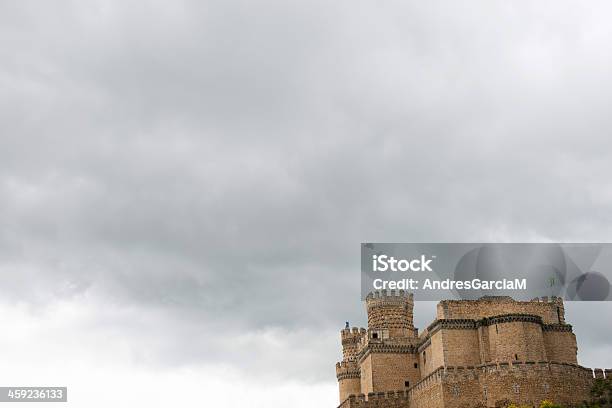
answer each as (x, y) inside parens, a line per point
(549, 404)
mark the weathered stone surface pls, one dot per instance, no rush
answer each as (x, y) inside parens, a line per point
(475, 354)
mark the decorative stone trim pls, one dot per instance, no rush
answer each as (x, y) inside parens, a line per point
(385, 348)
(559, 327)
(348, 375)
(471, 324)
(510, 318)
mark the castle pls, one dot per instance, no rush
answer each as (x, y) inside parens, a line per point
(477, 353)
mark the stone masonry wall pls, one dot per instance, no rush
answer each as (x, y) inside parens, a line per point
(488, 386)
(550, 309)
(461, 347)
(391, 371)
(475, 354)
(519, 340)
(350, 340)
(525, 383)
(561, 346)
(349, 381)
(431, 354)
(365, 365)
(392, 311)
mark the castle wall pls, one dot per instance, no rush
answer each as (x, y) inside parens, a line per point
(390, 371)
(365, 367)
(431, 356)
(476, 354)
(381, 400)
(461, 388)
(519, 340)
(494, 339)
(461, 347)
(551, 310)
(429, 393)
(521, 383)
(561, 346)
(392, 311)
(468, 342)
(484, 345)
(349, 386)
(348, 375)
(487, 386)
(347, 371)
(350, 339)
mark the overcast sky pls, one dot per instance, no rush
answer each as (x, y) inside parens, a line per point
(184, 185)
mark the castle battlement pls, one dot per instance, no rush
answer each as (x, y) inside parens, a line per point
(391, 310)
(352, 335)
(550, 309)
(347, 370)
(391, 399)
(458, 373)
(546, 299)
(390, 295)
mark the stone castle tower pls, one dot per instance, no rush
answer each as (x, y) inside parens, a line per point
(481, 353)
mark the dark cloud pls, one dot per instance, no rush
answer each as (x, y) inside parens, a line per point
(224, 160)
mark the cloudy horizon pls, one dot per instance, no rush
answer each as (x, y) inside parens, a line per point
(184, 185)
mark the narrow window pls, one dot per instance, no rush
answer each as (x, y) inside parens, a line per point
(406, 384)
(516, 357)
(374, 335)
(496, 329)
(424, 358)
(416, 365)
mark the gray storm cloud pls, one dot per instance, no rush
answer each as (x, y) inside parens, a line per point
(223, 160)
